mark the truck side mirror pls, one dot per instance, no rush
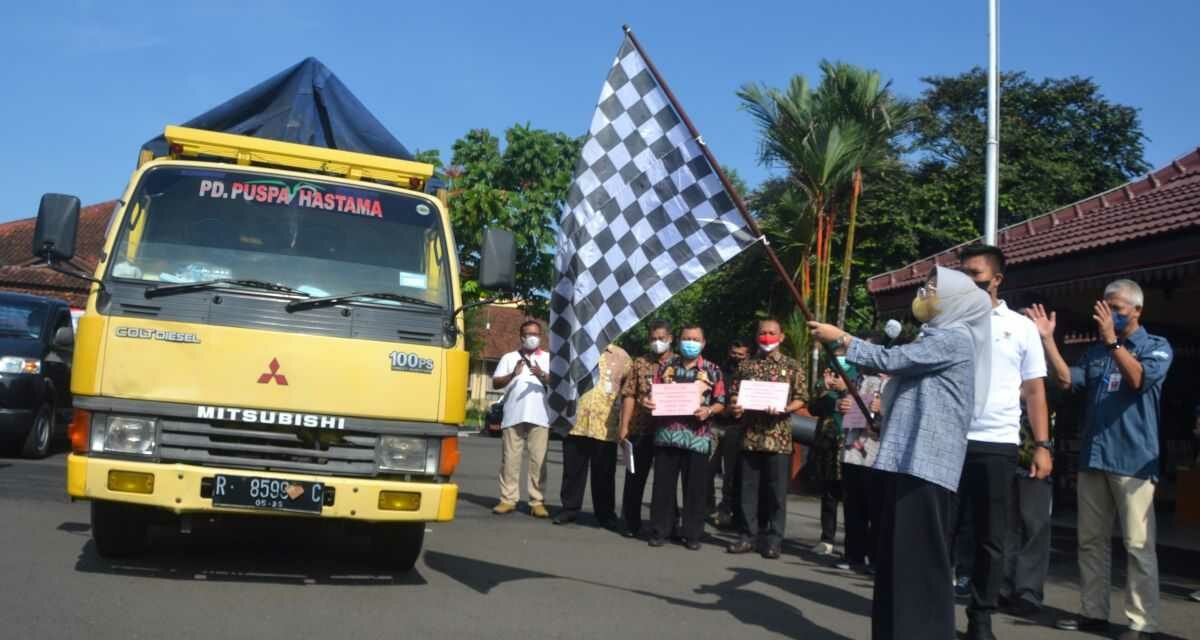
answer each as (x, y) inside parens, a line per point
(57, 220)
(498, 260)
(64, 339)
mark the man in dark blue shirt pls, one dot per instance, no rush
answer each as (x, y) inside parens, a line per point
(1122, 379)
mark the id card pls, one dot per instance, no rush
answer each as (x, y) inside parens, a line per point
(1114, 382)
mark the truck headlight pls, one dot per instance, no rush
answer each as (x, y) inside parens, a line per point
(17, 364)
(401, 453)
(123, 434)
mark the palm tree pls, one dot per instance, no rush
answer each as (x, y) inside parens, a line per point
(848, 92)
(820, 153)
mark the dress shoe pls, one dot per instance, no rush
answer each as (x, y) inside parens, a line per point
(628, 533)
(565, 517)
(741, 546)
(1023, 608)
(692, 545)
(1131, 634)
(980, 630)
(656, 542)
(504, 508)
(1082, 624)
(772, 553)
(539, 511)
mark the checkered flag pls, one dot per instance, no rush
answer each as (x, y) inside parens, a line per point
(646, 216)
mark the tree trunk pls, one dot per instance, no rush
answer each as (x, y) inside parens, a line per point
(844, 291)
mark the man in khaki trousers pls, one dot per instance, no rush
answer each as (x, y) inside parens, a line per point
(524, 375)
(1122, 378)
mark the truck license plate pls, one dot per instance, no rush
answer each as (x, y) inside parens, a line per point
(268, 493)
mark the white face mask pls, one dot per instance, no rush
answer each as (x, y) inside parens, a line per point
(768, 348)
(531, 342)
(660, 346)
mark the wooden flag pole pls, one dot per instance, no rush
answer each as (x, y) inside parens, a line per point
(750, 222)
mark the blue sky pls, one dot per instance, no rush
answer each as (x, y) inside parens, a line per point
(85, 83)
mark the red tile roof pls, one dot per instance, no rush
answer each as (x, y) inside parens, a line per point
(20, 272)
(497, 328)
(1165, 201)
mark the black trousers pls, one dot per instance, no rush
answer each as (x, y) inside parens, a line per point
(913, 595)
(580, 453)
(831, 494)
(1027, 548)
(985, 488)
(765, 486)
(669, 464)
(726, 463)
(635, 483)
(861, 504)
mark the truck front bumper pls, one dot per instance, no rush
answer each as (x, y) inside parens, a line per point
(177, 488)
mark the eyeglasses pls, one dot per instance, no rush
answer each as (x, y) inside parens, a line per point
(927, 291)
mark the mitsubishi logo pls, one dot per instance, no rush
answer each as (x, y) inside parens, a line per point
(273, 374)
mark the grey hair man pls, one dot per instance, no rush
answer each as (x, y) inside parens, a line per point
(1121, 377)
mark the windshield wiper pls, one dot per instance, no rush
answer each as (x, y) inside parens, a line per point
(329, 301)
(223, 283)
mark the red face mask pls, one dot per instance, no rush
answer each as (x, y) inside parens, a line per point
(768, 343)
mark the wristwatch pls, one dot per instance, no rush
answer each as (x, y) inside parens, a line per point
(1045, 444)
(1114, 345)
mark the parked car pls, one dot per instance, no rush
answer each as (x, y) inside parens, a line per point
(37, 340)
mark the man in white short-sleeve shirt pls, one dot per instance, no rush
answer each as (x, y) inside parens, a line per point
(1018, 365)
(524, 375)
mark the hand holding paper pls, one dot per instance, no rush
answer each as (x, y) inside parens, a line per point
(675, 399)
(771, 397)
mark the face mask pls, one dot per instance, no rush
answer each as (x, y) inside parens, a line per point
(1120, 322)
(531, 342)
(690, 348)
(769, 343)
(660, 346)
(842, 362)
(924, 309)
(986, 286)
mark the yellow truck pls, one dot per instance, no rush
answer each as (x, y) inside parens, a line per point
(273, 330)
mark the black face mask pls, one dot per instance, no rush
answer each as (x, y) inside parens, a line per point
(986, 285)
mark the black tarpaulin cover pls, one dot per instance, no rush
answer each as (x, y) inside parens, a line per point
(305, 104)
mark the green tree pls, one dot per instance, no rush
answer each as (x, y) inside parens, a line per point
(520, 188)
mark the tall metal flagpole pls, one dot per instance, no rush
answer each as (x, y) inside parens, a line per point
(993, 132)
(750, 222)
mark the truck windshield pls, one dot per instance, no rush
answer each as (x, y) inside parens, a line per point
(188, 225)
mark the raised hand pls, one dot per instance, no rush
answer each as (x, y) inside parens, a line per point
(1104, 322)
(1045, 323)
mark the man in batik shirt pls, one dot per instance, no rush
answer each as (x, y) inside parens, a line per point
(767, 445)
(592, 442)
(682, 444)
(637, 425)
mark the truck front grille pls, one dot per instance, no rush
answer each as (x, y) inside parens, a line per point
(267, 448)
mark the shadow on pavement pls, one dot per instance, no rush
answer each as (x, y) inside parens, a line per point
(246, 554)
(747, 606)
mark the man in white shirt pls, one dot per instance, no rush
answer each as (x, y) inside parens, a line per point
(1018, 367)
(524, 375)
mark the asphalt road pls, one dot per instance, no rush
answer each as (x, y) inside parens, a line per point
(482, 576)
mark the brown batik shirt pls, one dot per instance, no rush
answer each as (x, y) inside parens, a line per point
(638, 384)
(765, 432)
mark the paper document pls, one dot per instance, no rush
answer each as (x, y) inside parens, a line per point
(755, 395)
(627, 455)
(675, 399)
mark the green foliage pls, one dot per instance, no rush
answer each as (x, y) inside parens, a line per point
(520, 188)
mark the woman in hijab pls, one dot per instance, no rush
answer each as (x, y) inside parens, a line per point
(938, 383)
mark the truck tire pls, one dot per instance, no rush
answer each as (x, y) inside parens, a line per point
(119, 530)
(41, 433)
(396, 546)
